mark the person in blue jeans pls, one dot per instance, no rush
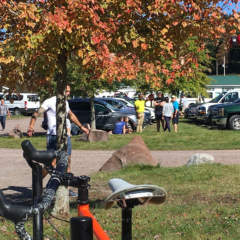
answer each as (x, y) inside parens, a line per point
(167, 113)
(4, 112)
(175, 118)
(120, 126)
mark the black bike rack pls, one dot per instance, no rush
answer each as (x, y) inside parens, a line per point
(37, 188)
(81, 228)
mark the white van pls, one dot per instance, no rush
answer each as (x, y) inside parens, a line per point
(22, 103)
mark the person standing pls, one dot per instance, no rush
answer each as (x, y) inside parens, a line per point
(69, 144)
(175, 119)
(167, 114)
(4, 112)
(49, 106)
(140, 107)
(158, 104)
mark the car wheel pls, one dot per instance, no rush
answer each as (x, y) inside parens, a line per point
(234, 122)
(17, 112)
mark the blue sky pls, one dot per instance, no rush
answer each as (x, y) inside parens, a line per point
(229, 8)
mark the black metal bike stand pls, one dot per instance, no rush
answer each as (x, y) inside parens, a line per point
(37, 188)
(127, 223)
(81, 228)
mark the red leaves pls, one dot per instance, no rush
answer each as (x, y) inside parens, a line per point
(106, 43)
(97, 38)
(144, 46)
(59, 18)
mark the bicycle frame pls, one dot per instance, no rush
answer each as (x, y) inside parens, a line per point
(84, 210)
(124, 194)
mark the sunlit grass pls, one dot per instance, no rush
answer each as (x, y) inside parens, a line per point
(190, 137)
(202, 203)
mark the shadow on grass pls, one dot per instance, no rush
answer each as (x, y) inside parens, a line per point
(208, 126)
(36, 134)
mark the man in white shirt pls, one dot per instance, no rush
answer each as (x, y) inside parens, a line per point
(49, 106)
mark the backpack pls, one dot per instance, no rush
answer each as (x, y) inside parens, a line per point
(45, 121)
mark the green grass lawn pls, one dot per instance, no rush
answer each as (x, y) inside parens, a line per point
(202, 203)
(189, 137)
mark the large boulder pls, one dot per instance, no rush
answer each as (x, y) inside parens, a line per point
(16, 132)
(95, 136)
(135, 152)
(200, 158)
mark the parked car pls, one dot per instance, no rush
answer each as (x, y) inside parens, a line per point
(226, 115)
(116, 103)
(22, 103)
(191, 111)
(202, 110)
(106, 115)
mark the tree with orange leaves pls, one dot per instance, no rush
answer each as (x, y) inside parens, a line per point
(112, 39)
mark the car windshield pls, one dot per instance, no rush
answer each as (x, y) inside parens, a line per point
(237, 101)
(110, 106)
(216, 99)
(33, 98)
(131, 101)
(122, 102)
(116, 104)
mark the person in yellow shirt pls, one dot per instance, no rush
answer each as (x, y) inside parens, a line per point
(140, 107)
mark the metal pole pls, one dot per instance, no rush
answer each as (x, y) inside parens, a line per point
(81, 228)
(224, 65)
(127, 223)
(36, 196)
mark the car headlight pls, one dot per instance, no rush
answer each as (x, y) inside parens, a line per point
(221, 112)
(202, 110)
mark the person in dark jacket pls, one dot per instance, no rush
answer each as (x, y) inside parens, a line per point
(158, 104)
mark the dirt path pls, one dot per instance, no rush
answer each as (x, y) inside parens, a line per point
(14, 170)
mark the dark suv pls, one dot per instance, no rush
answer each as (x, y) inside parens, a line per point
(106, 115)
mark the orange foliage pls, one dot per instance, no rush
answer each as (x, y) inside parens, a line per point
(114, 39)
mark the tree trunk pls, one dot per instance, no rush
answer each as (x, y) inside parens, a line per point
(61, 207)
(93, 116)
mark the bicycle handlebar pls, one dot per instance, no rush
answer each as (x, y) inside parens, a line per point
(19, 214)
(30, 154)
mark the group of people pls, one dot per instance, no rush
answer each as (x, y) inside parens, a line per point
(165, 111)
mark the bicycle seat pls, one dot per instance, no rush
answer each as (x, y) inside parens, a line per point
(124, 191)
(14, 213)
(30, 154)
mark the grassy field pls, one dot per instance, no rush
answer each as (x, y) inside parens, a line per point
(202, 203)
(189, 137)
